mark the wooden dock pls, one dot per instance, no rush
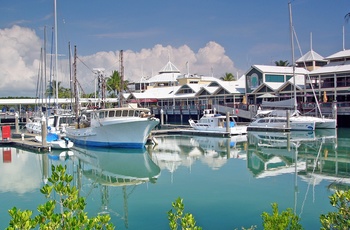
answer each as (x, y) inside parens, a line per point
(26, 142)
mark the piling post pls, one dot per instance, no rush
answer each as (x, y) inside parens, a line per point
(43, 132)
(16, 122)
(162, 117)
(288, 120)
(335, 111)
(228, 126)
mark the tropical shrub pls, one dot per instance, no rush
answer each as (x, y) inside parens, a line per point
(67, 212)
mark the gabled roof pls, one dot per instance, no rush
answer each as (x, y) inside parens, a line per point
(168, 92)
(311, 56)
(169, 73)
(299, 82)
(279, 69)
(210, 90)
(194, 87)
(164, 77)
(231, 87)
(169, 68)
(333, 68)
(340, 54)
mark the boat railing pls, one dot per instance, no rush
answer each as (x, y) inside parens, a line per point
(123, 112)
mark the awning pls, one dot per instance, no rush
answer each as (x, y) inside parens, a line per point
(143, 100)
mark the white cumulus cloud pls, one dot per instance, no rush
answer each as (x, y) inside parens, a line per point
(20, 62)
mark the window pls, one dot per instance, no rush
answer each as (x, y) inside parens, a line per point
(274, 78)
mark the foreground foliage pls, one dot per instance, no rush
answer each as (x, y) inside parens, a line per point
(71, 215)
(284, 220)
(70, 208)
(337, 220)
(177, 217)
(340, 219)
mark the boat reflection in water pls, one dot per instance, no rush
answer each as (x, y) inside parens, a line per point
(271, 154)
(173, 151)
(105, 168)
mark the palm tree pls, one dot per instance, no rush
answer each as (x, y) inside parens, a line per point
(347, 17)
(114, 83)
(62, 91)
(228, 77)
(282, 63)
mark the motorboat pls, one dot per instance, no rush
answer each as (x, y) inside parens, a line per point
(275, 123)
(113, 127)
(215, 122)
(56, 141)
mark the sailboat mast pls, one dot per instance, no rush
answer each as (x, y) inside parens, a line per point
(292, 46)
(76, 96)
(121, 67)
(56, 53)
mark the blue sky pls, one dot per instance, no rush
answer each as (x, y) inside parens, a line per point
(213, 36)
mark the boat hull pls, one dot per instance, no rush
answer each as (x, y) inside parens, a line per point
(126, 133)
(271, 123)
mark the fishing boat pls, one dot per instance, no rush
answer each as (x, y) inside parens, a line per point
(113, 127)
(215, 122)
(98, 126)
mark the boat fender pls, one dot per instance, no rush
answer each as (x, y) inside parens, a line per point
(237, 111)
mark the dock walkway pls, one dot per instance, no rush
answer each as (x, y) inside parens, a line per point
(25, 142)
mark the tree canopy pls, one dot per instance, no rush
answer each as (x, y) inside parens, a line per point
(228, 77)
(114, 83)
(282, 63)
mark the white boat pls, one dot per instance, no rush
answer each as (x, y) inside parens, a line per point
(55, 141)
(214, 122)
(320, 122)
(55, 123)
(113, 127)
(34, 125)
(272, 122)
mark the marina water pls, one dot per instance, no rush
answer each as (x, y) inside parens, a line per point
(226, 183)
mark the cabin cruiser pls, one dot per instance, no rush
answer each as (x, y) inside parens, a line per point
(215, 122)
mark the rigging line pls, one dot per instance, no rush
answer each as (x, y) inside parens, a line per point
(308, 186)
(85, 65)
(312, 87)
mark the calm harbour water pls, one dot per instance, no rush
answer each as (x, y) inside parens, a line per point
(226, 183)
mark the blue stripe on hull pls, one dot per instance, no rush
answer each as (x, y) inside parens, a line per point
(108, 144)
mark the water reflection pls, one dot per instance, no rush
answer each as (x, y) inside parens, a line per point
(311, 157)
(173, 151)
(105, 168)
(314, 156)
(20, 172)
